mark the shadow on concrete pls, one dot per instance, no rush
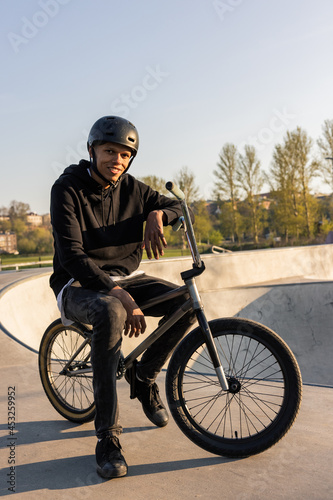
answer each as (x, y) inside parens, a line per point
(76, 471)
(54, 430)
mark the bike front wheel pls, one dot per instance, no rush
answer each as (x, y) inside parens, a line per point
(264, 396)
(65, 371)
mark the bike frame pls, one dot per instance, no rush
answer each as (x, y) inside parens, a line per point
(193, 303)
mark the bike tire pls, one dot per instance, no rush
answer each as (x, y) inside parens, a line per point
(72, 396)
(265, 388)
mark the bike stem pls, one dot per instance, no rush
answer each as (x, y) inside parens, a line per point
(189, 279)
(206, 331)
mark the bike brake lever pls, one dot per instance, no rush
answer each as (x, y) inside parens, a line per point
(179, 224)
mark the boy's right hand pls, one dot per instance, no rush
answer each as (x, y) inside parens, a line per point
(135, 323)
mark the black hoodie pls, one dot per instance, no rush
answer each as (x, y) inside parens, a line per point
(98, 232)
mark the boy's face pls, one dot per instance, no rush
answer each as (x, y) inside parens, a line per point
(112, 160)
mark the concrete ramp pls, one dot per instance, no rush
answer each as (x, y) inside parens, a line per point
(289, 290)
(26, 309)
(301, 313)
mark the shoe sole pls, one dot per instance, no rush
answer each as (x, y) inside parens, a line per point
(111, 474)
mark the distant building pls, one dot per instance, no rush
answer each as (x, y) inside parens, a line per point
(4, 217)
(264, 200)
(213, 208)
(46, 219)
(321, 196)
(8, 242)
(34, 219)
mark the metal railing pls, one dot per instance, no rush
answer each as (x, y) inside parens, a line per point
(17, 265)
(215, 249)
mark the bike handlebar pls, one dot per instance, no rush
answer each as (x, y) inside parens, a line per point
(170, 186)
(186, 222)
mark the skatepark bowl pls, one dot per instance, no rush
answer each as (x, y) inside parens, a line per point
(289, 290)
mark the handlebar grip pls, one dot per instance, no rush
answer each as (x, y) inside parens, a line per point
(170, 186)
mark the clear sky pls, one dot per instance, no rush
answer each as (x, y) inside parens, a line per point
(190, 74)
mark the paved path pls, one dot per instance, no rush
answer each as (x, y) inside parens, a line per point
(11, 277)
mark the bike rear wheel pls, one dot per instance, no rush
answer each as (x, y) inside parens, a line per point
(265, 388)
(69, 391)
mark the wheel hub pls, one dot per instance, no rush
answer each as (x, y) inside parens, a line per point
(234, 385)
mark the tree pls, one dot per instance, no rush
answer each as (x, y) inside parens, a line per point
(292, 172)
(19, 227)
(43, 240)
(18, 210)
(301, 145)
(251, 180)
(157, 183)
(227, 219)
(325, 144)
(203, 225)
(282, 188)
(3, 211)
(38, 240)
(215, 237)
(26, 245)
(5, 225)
(185, 180)
(226, 185)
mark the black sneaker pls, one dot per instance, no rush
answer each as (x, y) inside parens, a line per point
(152, 405)
(148, 395)
(110, 461)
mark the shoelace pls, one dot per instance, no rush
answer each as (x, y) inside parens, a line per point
(154, 396)
(116, 443)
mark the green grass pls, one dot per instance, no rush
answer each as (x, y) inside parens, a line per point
(7, 260)
(13, 259)
(171, 252)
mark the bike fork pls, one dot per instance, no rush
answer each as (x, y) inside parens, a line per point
(204, 325)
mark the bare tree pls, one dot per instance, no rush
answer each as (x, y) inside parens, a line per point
(325, 144)
(226, 185)
(301, 145)
(281, 185)
(251, 181)
(157, 183)
(18, 210)
(185, 180)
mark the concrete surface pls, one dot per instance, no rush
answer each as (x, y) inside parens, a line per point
(55, 458)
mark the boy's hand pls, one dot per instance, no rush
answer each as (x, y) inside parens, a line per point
(154, 239)
(135, 322)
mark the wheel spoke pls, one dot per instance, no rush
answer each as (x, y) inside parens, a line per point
(75, 391)
(260, 396)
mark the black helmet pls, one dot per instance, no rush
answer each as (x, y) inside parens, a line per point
(114, 129)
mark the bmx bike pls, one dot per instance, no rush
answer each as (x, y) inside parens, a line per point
(233, 385)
